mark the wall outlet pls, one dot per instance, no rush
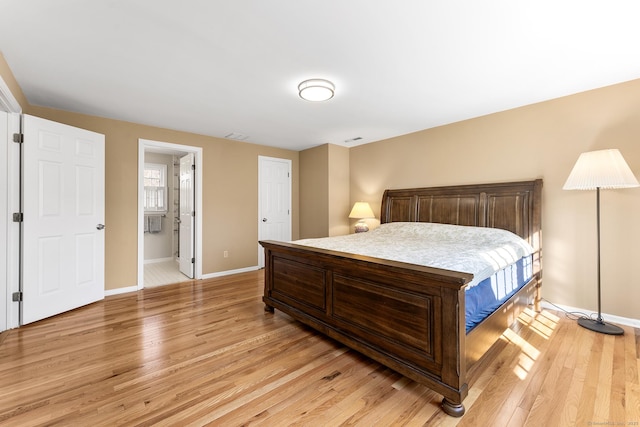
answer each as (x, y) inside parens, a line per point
(225, 254)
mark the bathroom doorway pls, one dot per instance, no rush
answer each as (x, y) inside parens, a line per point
(162, 250)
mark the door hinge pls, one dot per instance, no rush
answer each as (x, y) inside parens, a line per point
(18, 217)
(193, 213)
(16, 297)
(18, 138)
(193, 167)
(193, 260)
(288, 176)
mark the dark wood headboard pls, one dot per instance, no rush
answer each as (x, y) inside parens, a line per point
(513, 206)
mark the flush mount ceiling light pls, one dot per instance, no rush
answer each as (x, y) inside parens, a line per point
(316, 90)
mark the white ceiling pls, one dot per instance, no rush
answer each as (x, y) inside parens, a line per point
(217, 67)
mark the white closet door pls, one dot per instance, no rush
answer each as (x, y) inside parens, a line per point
(274, 188)
(63, 237)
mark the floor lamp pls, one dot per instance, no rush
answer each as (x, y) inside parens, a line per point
(595, 170)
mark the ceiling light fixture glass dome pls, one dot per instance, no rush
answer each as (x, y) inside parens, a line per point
(316, 90)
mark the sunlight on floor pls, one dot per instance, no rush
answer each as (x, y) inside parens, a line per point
(543, 324)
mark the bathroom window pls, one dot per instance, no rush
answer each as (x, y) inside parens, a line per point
(155, 188)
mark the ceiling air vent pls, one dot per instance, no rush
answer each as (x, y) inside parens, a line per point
(236, 136)
(349, 141)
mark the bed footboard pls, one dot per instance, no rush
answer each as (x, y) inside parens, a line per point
(407, 317)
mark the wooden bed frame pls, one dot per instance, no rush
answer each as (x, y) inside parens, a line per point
(407, 317)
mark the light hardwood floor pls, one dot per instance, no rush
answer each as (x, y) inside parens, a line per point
(205, 352)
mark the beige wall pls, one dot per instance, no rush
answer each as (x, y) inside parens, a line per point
(324, 191)
(339, 190)
(314, 192)
(230, 193)
(537, 141)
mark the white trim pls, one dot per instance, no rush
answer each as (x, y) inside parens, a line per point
(4, 217)
(635, 323)
(11, 165)
(158, 260)
(169, 148)
(8, 102)
(13, 228)
(229, 272)
(119, 291)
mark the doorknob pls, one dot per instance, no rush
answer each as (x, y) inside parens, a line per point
(264, 219)
(100, 226)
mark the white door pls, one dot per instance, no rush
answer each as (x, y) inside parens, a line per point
(186, 214)
(274, 193)
(63, 206)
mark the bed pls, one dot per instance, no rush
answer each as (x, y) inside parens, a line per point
(408, 317)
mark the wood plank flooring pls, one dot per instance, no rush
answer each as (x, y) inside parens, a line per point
(206, 353)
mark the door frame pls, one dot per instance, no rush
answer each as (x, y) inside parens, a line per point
(170, 148)
(4, 217)
(11, 164)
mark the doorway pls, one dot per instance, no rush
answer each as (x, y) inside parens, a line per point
(162, 250)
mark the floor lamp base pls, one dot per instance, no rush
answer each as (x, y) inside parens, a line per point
(603, 328)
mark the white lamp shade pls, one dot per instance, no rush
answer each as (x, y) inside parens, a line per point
(361, 210)
(600, 169)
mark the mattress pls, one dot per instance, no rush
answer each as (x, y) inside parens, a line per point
(499, 260)
(492, 292)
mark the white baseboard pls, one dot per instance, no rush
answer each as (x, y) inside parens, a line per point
(118, 291)
(125, 290)
(157, 260)
(635, 323)
(230, 272)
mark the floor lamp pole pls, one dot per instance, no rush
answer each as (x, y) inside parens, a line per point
(598, 325)
(599, 275)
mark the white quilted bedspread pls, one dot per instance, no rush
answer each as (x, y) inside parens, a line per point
(477, 250)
